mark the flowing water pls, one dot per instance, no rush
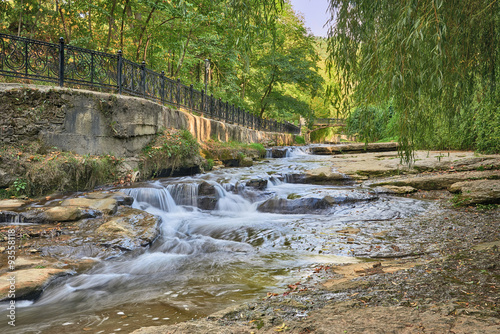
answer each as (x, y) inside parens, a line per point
(206, 260)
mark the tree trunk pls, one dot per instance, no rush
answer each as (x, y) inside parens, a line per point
(123, 22)
(183, 54)
(111, 24)
(143, 30)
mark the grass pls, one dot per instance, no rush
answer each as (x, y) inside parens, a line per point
(39, 171)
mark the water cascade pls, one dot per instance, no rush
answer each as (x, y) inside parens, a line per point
(208, 258)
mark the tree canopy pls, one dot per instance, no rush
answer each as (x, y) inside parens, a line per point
(262, 57)
(438, 60)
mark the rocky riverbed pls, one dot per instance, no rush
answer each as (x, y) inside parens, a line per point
(440, 275)
(438, 272)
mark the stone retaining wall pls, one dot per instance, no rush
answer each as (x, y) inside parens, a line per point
(87, 122)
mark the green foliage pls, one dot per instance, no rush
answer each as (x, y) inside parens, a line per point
(260, 148)
(372, 123)
(171, 149)
(208, 165)
(232, 150)
(261, 56)
(299, 140)
(437, 59)
(19, 186)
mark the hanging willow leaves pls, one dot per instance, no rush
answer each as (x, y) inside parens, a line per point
(438, 60)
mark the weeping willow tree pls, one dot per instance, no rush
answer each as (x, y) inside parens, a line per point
(439, 61)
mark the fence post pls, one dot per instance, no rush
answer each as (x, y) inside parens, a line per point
(119, 71)
(220, 109)
(191, 92)
(26, 55)
(232, 113)
(143, 78)
(92, 69)
(179, 93)
(227, 112)
(202, 101)
(162, 93)
(61, 62)
(212, 105)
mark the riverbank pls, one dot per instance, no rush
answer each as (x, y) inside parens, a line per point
(440, 273)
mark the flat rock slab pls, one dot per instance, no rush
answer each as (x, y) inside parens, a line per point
(437, 181)
(62, 214)
(11, 203)
(354, 148)
(395, 190)
(478, 191)
(106, 205)
(28, 281)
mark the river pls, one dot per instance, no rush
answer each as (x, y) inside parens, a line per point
(263, 234)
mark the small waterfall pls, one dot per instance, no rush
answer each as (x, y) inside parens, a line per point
(275, 181)
(231, 202)
(157, 197)
(269, 153)
(11, 218)
(184, 193)
(294, 151)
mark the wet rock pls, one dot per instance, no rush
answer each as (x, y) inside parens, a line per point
(294, 206)
(63, 213)
(399, 190)
(246, 162)
(315, 177)
(121, 198)
(380, 234)
(207, 196)
(278, 152)
(259, 184)
(349, 230)
(478, 192)
(129, 229)
(11, 203)
(107, 205)
(29, 281)
(206, 188)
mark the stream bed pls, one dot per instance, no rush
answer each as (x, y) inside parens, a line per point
(254, 230)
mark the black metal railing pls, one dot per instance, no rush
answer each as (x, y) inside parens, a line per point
(68, 65)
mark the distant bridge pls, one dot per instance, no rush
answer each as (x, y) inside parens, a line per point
(322, 123)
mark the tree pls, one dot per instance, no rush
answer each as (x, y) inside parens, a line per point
(438, 59)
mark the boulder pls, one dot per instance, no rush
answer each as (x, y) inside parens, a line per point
(107, 205)
(294, 206)
(246, 162)
(207, 196)
(29, 282)
(259, 184)
(62, 214)
(478, 191)
(121, 198)
(129, 229)
(11, 203)
(278, 152)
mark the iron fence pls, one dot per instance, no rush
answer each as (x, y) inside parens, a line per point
(68, 65)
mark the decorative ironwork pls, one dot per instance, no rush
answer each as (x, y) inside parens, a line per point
(70, 65)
